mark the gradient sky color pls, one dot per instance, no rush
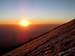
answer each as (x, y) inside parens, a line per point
(38, 11)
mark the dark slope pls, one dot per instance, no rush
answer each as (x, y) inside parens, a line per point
(58, 42)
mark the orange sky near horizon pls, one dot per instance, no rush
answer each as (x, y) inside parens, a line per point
(34, 21)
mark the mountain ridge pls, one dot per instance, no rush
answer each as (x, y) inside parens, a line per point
(52, 43)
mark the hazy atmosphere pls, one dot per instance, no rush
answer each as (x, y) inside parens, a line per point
(36, 11)
(38, 27)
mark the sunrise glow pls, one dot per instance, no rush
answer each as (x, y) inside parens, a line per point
(24, 23)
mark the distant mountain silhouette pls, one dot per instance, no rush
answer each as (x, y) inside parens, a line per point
(60, 41)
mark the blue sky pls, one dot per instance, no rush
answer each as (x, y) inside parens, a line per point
(44, 10)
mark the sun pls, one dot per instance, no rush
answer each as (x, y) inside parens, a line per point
(24, 23)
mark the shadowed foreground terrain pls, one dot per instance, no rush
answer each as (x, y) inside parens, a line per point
(12, 36)
(58, 42)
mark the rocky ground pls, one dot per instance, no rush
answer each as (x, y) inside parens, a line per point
(60, 41)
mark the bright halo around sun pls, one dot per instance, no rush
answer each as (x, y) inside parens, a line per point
(24, 23)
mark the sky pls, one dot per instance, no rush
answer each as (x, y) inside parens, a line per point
(38, 11)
